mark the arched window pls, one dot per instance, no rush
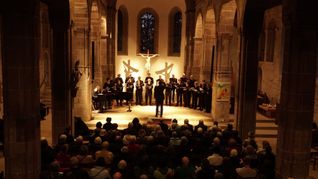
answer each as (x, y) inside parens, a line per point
(148, 25)
(122, 31)
(175, 23)
(271, 32)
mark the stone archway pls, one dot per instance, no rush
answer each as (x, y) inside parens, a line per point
(209, 46)
(198, 48)
(223, 67)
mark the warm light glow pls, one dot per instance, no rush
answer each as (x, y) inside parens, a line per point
(103, 27)
(146, 113)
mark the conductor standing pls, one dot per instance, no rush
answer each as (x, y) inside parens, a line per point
(159, 96)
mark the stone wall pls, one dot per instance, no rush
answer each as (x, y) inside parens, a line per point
(272, 71)
(162, 8)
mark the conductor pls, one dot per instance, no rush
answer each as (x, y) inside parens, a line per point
(159, 96)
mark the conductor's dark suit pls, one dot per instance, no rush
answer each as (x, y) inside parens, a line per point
(159, 96)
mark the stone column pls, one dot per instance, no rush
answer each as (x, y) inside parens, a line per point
(208, 44)
(197, 58)
(61, 67)
(21, 88)
(111, 21)
(222, 80)
(190, 29)
(298, 89)
(248, 72)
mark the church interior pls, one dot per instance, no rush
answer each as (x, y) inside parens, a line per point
(158, 89)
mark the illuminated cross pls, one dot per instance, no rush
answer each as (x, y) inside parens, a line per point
(148, 57)
(166, 71)
(128, 68)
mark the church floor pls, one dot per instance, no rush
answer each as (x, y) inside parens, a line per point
(146, 114)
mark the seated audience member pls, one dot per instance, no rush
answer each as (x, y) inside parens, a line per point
(105, 154)
(63, 158)
(99, 171)
(266, 158)
(246, 171)
(47, 154)
(164, 127)
(53, 172)
(117, 175)
(103, 135)
(108, 125)
(202, 125)
(136, 126)
(185, 171)
(84, 159)
(75, 147)
(230, 164)
(123, 169)
(186, 126)
(215, 160)
(69, 136)
(97, 129)
(96, 145)
(205, 171)
(76, 171)
(249, 153)
(251, 140)
(174, 139)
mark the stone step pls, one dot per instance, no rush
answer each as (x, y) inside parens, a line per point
(266, 136)
(266, 127)
(266, 133)
(265, 121)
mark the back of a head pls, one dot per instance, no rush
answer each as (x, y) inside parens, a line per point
(79, 139)
(44, 142)
(99, 125)
(62, 139)
(117, 175)
(103, 132)
(174, 121)
(143, 176)
(97, 140)
(108, 119)
(185, 161)
(74, 161)
(122, 164)
(135, 121)
(105, 145)
(186, 121)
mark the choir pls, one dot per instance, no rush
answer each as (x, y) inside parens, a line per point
(185, 91)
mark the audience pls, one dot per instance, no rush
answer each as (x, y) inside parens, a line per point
(157, 152)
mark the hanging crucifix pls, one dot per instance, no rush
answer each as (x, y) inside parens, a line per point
(148, 57)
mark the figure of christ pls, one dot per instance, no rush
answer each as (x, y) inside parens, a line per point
(148, 57)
